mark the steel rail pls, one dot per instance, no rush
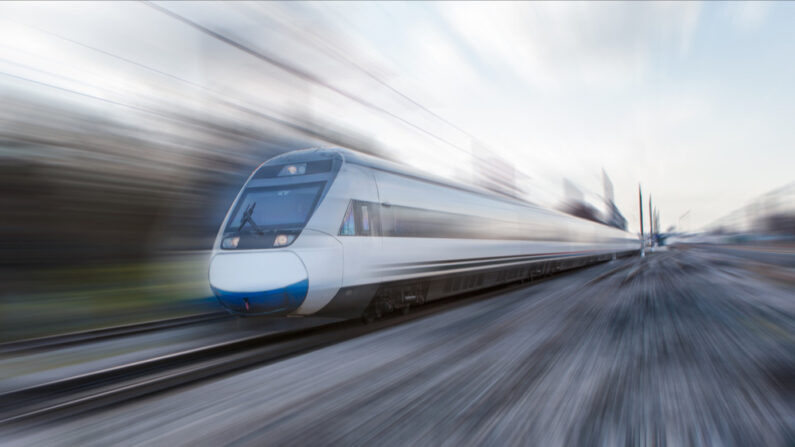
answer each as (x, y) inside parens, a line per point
(92, 335)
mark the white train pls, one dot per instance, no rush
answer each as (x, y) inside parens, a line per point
(335, 232)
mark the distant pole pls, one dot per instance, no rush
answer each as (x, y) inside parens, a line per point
(651, 224)
(640, 209)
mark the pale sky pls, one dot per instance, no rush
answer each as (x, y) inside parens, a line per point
(693, 100)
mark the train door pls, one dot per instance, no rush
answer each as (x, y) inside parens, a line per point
(360, 229)
(411, 225)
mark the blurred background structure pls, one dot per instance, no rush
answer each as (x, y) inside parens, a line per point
(127, 128)
(769, 216)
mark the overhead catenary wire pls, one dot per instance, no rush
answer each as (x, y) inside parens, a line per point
(300, 73)
(312, 78)
(215, 95)
(321, 44)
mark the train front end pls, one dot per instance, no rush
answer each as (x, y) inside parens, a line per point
(256, 266)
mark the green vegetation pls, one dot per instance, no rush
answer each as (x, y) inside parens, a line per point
(88, 297)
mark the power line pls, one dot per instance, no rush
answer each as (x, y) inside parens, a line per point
(216, 96)
(307, 76)
(302, 74)
(298, 73)
(351, 62)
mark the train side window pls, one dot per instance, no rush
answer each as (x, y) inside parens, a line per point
(361, 219)
(364, 219)
(348, 227)
(387, 220)
(367, 221)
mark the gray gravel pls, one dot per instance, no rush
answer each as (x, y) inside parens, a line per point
(681, 348)
(26, 369)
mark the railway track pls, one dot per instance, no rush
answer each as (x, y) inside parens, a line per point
(93, 335)
(117, 384)
(78, 394)
(85, 392)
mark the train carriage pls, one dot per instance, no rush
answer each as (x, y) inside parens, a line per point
(335, 232)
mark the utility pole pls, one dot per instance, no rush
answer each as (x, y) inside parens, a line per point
(657, 219)
(651, 224)
(640, 209)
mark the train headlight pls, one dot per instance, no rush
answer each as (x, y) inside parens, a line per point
(282, 240)
(296, 169)
(230, 242)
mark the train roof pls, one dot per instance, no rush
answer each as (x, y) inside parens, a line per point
(369, 161)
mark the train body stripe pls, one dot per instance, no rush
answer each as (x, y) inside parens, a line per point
(269, 302)
(432, 266)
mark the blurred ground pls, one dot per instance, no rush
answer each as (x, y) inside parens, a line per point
(26, 368)
(685, 347)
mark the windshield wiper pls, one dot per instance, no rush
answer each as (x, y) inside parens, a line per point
(248, 219)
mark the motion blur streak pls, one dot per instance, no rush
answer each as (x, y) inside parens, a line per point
(127, 130)
(683, 348)
(118, 156)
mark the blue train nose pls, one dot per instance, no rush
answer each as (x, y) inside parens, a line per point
(259, 283)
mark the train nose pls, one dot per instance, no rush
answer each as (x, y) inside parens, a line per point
(259, 283)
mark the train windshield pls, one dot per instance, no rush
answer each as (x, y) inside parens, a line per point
(271, 216)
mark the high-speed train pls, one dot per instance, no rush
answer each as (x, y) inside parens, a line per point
(338, 233)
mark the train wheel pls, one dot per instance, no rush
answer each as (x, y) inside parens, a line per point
(368, 316)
